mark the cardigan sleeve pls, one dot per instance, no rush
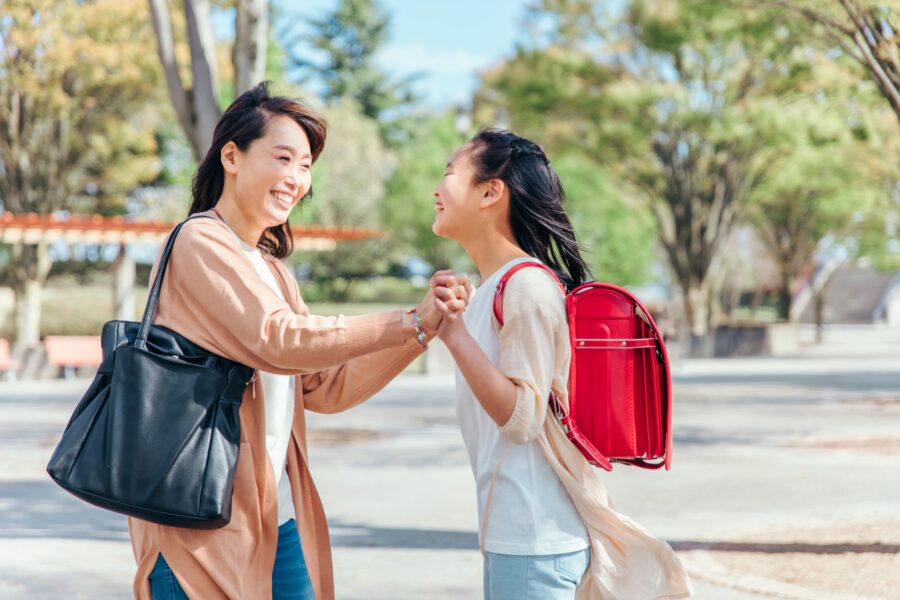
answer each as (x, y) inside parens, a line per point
(231, 311)
(343, 387)
(534, 317)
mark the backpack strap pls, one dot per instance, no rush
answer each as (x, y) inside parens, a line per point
(501, 286)
(584, 445)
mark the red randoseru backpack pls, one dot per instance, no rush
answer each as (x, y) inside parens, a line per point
(620, 388)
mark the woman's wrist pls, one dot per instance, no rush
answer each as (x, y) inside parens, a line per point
(415, 326)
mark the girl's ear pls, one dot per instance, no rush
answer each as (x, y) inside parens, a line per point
(228, 155)
(492, 192)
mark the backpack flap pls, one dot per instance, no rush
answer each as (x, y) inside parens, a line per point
(619, 384)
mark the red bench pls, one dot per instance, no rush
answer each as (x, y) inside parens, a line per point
(9, 365)
(71, 352)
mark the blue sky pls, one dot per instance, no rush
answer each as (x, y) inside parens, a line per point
(447, 43)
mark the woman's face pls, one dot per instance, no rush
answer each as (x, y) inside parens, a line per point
(457, 207)
(273, 174)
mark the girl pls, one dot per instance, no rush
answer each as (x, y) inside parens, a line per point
(226, 289)
(546, 527)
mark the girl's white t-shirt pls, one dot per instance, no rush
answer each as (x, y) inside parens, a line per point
(278, 391)
(531, 513)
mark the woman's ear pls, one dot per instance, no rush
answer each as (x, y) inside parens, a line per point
(228, 155)
(492, 192)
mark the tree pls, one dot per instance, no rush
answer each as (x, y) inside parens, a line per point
(675, 100)
(408, 207)
(77, 115)
(865, 30)
(349, 184)
(197, 102)
(348, 38)
(820, 186)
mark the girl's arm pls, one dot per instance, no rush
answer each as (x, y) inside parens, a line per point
(514, 393)
(495, 391)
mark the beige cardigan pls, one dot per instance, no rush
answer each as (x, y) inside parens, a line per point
(213, 296)
(627, 562)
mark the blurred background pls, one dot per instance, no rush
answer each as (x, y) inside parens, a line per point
(735, 162)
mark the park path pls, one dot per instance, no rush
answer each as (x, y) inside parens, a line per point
(782, 468)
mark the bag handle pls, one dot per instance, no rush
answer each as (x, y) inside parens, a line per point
(153, 299)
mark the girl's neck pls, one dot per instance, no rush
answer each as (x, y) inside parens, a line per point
(490, 250)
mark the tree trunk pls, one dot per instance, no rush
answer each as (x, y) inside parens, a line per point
(696, 311)
(197, 107)
(249, 52)
(819, 314)
(28, 298)
(784, 297)
(29, 267)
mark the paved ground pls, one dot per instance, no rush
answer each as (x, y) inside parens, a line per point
(785, 485)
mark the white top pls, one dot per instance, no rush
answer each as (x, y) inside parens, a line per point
(278, 391)
(531, 512)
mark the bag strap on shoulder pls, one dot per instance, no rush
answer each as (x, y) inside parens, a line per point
(153, 298)
(501, 286)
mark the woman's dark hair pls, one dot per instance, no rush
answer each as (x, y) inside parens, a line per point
(243, 122)
(541, 226)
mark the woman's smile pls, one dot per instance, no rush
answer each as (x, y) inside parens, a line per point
(284, 199)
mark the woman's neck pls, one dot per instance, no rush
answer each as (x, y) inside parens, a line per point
(228, 210)
(491, 250)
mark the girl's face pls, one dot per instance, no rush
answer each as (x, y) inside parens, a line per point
(457, 198)
(273, 174)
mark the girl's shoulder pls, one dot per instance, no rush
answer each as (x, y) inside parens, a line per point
(531, 291)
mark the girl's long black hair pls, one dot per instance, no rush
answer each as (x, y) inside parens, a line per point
(243, 122)
(541, 226)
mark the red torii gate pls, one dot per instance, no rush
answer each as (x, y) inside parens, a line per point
(33, 228)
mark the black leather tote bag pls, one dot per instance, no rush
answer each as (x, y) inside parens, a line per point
(157, 434)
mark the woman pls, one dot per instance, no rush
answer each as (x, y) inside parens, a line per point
(551, 531)
(226, 290)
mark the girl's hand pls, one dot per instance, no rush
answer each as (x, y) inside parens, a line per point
(452, 325)
(454, 291)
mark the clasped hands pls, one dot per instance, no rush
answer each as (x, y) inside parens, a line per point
(443, 306)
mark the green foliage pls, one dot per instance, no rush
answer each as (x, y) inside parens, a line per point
(348, 184)
(678, 101)
(78, 96)
(349, 38)
(408, 206)
(619, 238)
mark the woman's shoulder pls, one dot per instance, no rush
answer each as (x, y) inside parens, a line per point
(200, 235)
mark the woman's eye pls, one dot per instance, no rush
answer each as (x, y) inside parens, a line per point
(305, 167)
(285, 158)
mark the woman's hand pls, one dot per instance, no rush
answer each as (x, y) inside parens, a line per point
(451, 301)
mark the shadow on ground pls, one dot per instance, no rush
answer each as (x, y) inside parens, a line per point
(360, 535)
(41, 509)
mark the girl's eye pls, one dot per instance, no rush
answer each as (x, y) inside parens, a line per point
(305, 167)
(285, 158)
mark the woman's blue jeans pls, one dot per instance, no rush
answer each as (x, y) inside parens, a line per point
(290, 579)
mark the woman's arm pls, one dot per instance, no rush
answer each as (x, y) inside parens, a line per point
(213, 296)
(343, 387)
(351, 383)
